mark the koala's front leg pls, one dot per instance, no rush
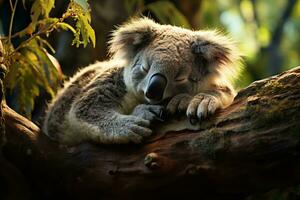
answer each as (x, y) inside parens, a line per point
(103, 123)
(136, 126)
(149, 112)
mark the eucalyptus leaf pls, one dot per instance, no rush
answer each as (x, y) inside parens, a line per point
(41, 8)
(83, 3)
(66, 26)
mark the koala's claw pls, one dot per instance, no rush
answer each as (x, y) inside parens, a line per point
(163, 115)
(137, 133)
(150, 112)
(132, 129)
(193, 120)
(135, 127)
(178, 104)
(201, 106)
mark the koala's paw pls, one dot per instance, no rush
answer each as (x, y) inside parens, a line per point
(132, 129)
(201, 106)
(178, 104)
(150, 112)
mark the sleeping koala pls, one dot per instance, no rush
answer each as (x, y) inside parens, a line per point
(153, 68)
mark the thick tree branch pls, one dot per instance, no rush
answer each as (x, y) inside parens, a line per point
(249, 147)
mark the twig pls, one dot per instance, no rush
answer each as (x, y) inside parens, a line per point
(11, 5)
(40, 32)
(12, 19)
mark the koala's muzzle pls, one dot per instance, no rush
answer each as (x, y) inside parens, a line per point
(156, 87)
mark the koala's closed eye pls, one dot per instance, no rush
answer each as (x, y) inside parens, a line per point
(181, 76)
(144, 67)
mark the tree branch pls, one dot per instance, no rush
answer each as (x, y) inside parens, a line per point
(249, 147)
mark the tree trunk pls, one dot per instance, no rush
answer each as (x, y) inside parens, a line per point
(249, 147)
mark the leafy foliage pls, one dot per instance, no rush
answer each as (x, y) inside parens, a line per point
(30, 65)
(41, 8)
(84, 32)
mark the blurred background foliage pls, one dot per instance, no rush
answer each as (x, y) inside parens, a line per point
(267, 32)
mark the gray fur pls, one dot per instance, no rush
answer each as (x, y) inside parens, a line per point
(106, 102)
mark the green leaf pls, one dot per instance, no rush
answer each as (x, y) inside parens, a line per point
(23, 81)
(83, 3)
(66, 26)
(47, 6)
(36, 11)
(167, 13)
(32, 70)
(31, 67)
(48, 72)
(84, 32)
(41, 8)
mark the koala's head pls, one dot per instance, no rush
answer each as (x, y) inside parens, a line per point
(165, 60)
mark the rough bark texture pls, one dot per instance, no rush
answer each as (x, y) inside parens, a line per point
(249, 147)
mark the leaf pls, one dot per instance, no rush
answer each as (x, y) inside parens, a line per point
(47, 7)
(66, 26)
(35, 12)
(23, 85)
(48, 72)
(41, 8)
(29, 90)
(31, 70)
(84, 32)
(47, 22)
(167, 13)
(83, 3)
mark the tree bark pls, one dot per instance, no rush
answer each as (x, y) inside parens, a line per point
(250, 147)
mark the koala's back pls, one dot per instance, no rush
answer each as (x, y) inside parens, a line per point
(101, 76)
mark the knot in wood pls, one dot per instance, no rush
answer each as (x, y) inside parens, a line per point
(150, 161)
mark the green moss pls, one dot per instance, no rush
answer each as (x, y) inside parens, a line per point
(273, 86)
(268, 110)
(272, 103)
(208, 143)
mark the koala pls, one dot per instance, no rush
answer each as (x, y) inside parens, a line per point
(153, 69)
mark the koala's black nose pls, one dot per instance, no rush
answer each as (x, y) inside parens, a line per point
(156, 87)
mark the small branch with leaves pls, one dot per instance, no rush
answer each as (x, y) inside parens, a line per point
(30, 65)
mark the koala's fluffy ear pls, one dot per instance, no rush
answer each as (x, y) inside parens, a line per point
(131, 37)
(215, 50)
